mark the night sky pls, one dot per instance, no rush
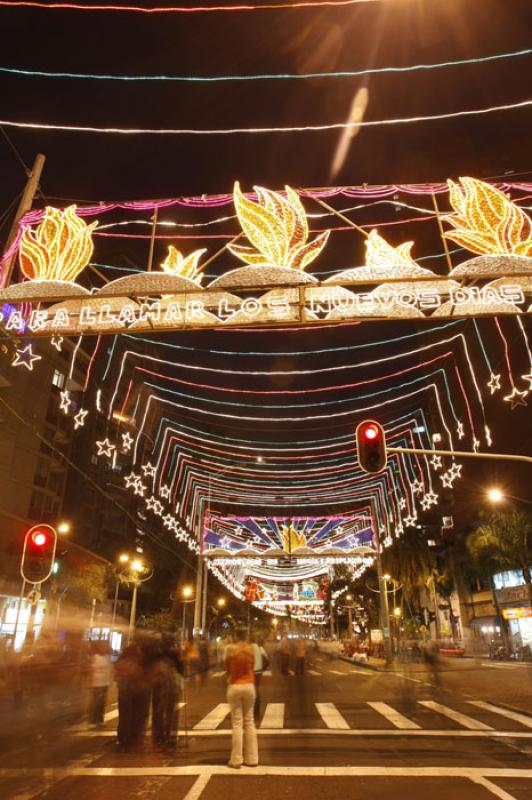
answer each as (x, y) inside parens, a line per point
(395, 32)
(92, 167)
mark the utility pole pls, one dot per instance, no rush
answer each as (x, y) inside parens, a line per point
(26, 202)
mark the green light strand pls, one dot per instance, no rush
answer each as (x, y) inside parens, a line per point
(264, 77)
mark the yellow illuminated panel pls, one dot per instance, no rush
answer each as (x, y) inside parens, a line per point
(486, 221)
(184, 266)
(292, 539)
(277, 228)
(381, 255)
(59, 248)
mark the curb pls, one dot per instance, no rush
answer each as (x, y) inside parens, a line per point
(364, 664)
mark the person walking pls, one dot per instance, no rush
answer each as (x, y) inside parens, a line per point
(239, 663)
(261, 664)
(284, 654)
(301, 651)
(133, 697)
(100, 680)
(167, 672)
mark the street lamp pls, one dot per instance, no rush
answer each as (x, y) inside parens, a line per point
(188, 597)
(63, 528)
(135, 572)
(495, 495)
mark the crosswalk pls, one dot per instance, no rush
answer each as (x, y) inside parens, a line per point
(370, 715)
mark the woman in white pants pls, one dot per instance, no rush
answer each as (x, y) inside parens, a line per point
(239, 662)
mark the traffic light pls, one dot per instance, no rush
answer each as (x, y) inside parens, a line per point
(371, 446)
(38, 554)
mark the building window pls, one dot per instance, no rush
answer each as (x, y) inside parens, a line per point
(58, 379)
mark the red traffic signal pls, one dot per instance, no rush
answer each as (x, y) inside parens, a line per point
(371, 446)
(38, 554)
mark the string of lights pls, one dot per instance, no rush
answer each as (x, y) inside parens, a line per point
(91, 76)
(316, 128)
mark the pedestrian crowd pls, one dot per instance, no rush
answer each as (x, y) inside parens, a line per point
(150, 674)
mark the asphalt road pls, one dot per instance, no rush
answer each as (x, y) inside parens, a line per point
(340, 731)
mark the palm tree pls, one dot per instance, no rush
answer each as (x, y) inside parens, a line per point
(411, 562)
(504, 541)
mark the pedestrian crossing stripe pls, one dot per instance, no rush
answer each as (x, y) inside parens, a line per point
(504, 712)
(273, 720)
(313, 672)
(214, 718)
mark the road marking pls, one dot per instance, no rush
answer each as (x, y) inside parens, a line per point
(472, 773)
(218, 674)
(365, 672)
(331, 716)
(213, 718)
(522, 718)
(394, 716)
(267, 673)
(368, 732)
(462, 719)
(197, 787)
(313, 672)
(493, 788)
(110, 715)
(335, 672)
(273, 716)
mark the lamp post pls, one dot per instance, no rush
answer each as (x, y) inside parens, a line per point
(135, 572)
(188, 597)
(496, 495)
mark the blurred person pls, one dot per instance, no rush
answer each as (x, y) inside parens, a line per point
(240, 661)
(260, 665)
(133, 696)
(167, 676)
(431, 656)
(301, 651)
(284, 655)
(100, 680)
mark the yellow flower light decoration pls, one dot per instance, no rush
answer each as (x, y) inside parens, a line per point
(277, 228)
(381, 256)
(184, 266)
(486, 221)
(59, 248)
(292, 539)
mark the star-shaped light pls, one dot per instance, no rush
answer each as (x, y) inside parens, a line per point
(387, 542)
(168, 521)
(410, 521)
(447, 479)
(431, 499)
(489, 440)
(148, 470)
(528, 378)
(460, 430)
(436, 462)
(25, 358)
(476, 445)
(402, 503)
(150, 502)
(66, 402)
(417, 486)
(105, 447)
(455, 471)
(165, 492)
(399, 528)
(494, 383)
(56, 341)
(131, 479)
(127, 441)
(158, 508)
(79, 419)
(517, 398)
(139, 488)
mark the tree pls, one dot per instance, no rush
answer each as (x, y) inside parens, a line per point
(410, 562)
(503, 540)
(83, 584)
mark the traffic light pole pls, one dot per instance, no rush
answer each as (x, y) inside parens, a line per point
(461, 453)
(383, 603)
(19, 609)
